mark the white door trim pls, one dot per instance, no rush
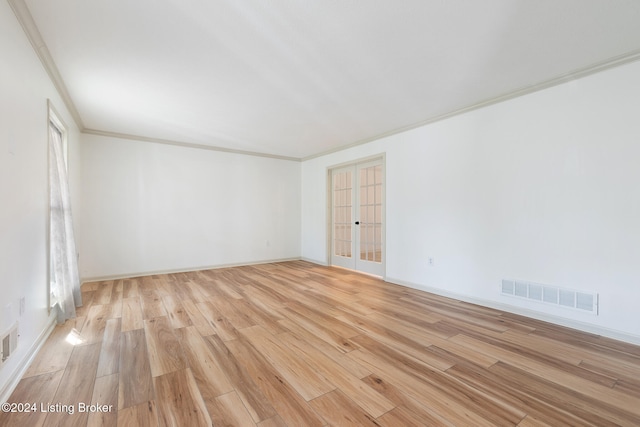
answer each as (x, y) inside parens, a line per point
(355, 263)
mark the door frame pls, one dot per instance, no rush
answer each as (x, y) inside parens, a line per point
(382, 158)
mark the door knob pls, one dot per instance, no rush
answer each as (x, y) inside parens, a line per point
(357, 222)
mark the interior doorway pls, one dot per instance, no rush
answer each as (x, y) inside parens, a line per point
(357, 216)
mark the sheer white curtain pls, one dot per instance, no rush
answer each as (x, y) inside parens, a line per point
(65, 280)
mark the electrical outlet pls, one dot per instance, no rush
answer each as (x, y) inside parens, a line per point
(431, 261)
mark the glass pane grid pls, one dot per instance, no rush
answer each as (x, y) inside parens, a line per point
(371, 214)
(342, 228)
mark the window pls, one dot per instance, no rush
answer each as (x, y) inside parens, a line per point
(57, 135)
(64, 282)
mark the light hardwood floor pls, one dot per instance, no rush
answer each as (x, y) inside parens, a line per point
(296, 344)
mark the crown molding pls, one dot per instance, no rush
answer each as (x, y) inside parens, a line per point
(186, 144)
(23, 15)
(564, 78)
(25, 19)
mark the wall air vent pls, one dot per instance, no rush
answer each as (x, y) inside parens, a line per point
(8, 343)
(577, 300)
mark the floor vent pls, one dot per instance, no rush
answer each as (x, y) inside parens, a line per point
(577, 300)
(8, 343)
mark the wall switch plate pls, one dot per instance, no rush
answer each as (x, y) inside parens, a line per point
(23, 305)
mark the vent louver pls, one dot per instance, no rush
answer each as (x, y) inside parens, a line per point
(577, 300)
(8, 343)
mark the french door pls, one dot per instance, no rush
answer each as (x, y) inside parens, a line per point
(357, 229)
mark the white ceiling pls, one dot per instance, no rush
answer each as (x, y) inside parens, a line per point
(298, 78)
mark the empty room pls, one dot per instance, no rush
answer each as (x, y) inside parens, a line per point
(317, 213)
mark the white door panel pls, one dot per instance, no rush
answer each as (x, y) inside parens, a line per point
(358, 217)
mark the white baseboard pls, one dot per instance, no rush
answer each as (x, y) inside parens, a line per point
(314, 261)
(23, 365)
(183, 270)
(557, 320)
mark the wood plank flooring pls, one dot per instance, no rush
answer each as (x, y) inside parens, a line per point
(296, 344)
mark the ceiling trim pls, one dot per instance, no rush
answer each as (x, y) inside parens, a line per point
(186, 144)
(25, 19)
(564, 78)
(23, 15)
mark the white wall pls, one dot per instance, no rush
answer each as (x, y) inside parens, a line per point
(150, 207)
(542, 188)
(24, 90)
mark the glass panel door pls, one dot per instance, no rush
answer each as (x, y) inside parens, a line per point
(357, 233)
(370, 228)
(342, 213)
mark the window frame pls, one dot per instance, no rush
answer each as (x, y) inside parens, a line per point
(53, 120)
